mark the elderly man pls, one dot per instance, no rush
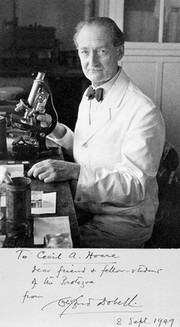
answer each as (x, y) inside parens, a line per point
(116, 146)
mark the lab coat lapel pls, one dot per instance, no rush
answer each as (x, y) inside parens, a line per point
(102, 117)
(105, 112)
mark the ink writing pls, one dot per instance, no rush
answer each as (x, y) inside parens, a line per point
(69, 304)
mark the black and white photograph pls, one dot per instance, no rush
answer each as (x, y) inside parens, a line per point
(89, 163)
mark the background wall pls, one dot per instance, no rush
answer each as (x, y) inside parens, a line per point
(61, 14)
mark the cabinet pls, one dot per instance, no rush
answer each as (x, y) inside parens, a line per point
(152, 21)
(152, 52)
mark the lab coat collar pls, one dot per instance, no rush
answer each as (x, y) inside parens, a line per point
(111, 102)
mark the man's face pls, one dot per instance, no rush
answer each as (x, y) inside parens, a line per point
(98, 56)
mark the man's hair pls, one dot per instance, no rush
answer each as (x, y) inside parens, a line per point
(115, 32)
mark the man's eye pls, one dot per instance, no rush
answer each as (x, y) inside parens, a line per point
(102, 51)
(83, 52)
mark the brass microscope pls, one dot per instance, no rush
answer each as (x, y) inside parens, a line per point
(33, 145)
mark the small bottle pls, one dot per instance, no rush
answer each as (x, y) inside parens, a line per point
(3, 142)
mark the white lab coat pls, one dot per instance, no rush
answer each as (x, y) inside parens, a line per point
(119, 154)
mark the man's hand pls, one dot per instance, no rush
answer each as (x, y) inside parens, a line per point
(46, 120)
(54, 170)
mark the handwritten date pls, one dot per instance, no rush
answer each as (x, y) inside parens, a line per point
(144, 321)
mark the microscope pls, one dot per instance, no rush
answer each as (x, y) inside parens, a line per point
(33, 145)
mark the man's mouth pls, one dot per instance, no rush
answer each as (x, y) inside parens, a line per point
(95, 70)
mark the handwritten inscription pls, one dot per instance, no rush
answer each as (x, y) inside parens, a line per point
(27, 295)
(80, 282)
(68, 303)
(144, 322)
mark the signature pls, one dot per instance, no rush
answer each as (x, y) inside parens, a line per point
(68, 304)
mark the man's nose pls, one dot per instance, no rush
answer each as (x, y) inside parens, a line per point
(93, 58)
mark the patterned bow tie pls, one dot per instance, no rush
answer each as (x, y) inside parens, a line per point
(92, 93)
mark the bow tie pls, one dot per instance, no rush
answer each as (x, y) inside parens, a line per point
(97, 94)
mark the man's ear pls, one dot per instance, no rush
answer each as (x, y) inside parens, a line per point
(120, 51)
